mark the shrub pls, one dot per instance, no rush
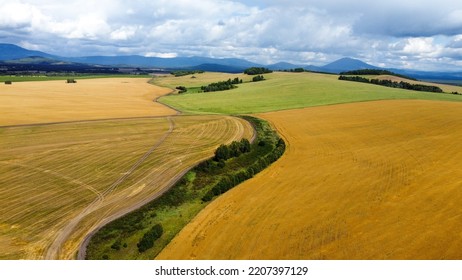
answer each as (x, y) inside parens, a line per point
(71, 81)
(258, 78)
(116, 245)
(147, 241)
(8, 82)
(181, 89)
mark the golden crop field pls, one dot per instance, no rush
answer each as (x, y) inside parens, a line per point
(59, 182)
(372, 180)
(88, 99)
(76, 156)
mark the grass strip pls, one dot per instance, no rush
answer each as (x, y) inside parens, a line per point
(178, 206)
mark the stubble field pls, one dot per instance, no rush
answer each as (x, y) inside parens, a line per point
(373, 180)
(59, 182)
(88, 99)
(76, 156)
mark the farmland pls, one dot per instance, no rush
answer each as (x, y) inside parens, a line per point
(282, 91)
(444, 87)
(63, 78)
(55, 177)
(89, 99)
(76, 156)
(371, 180)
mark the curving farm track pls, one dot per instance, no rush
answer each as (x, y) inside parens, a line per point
(61, 181)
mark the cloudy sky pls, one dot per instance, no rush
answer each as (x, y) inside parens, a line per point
(419, 34)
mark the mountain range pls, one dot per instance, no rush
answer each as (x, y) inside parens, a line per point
(12, 54)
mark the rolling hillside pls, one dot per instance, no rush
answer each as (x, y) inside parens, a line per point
(282, 91)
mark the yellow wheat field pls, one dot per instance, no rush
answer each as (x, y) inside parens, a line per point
(59, 182)
(56, 101)
(375, 180)
(76, 156)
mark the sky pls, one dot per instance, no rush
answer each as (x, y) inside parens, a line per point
(409, 34)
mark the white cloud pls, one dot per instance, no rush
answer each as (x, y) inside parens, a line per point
(161, 55)
(305, 31)
(90, 26)
(20, 15)
(421, 46)
(124, 33)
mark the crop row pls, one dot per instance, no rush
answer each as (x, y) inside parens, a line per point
(90, 171)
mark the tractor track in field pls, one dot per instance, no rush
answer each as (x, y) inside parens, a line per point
(81, 253)
(54, 249)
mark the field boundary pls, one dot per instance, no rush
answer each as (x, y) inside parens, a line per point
(171, 200)
(85, 121)
(55, 247)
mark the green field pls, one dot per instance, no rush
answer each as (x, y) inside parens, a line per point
(281, 91)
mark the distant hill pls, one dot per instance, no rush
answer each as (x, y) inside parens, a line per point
(37, 60)
(341, 65)
(12, 52)
(284, 66)
(158, 62)
(18, 55)
(219, 68)
(347, 64)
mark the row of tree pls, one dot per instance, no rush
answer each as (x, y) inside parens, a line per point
(257, 71)
(229, 181)
(224, 85)
(235, 149)
(245, 159)
(180, 73)
(389, 83)
(222, 154)
(375, 72)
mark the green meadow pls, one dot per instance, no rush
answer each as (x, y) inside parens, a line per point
(280, 91)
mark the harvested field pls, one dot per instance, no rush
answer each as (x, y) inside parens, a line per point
(373, 180)
(89, 99)
(59, 182)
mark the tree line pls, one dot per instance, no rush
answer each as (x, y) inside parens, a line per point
(375, 72)
(257, 71)
(229, 181)
(392, 84)
(223, 153)
(230, 165)
(224, 85)
(180, 73)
